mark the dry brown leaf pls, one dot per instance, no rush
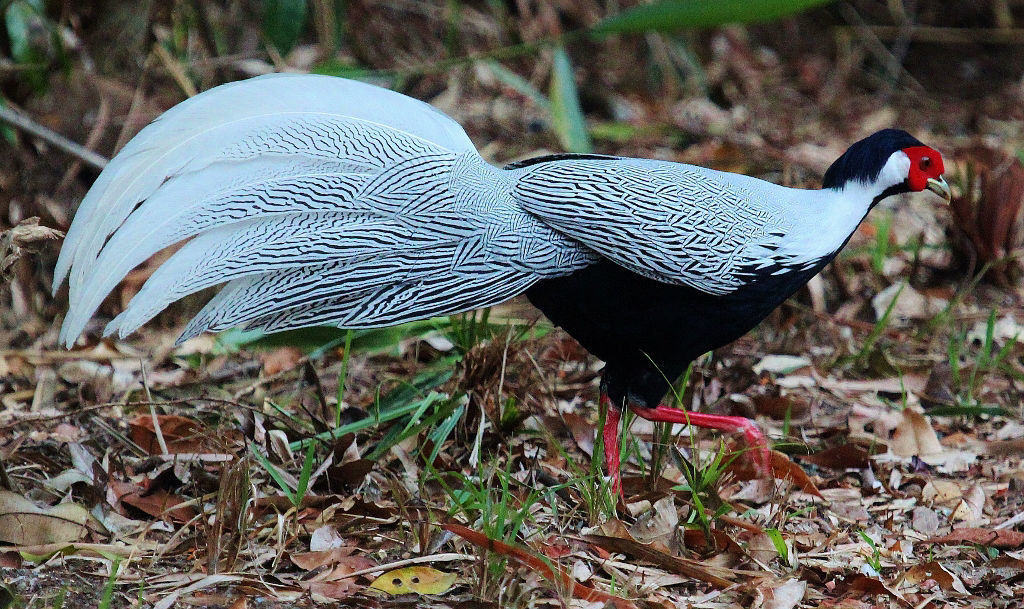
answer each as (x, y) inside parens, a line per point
(658, 524)
(23, 523)
(972, 507)
(989, 210)
(993, 538)
(281, 359)
(941, 492)
(925, 520)
(158, 503)
(914, 436)
(934, 571)
(844, 456)
(782, 469)
(786, 595)
(762, 548)
(181, 434)
(335, 583)
(26, 236)
(863, 585)
(314, 560)
(682, 566)
(582, 432)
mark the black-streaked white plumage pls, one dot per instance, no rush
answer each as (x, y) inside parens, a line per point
(324, 201)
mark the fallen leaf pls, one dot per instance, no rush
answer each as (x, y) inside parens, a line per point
(280, 360)
(674, 564)
(762, 549)
(335, 583)
(844, 456)
(23, 523)
(158, 503)
(26, 236)
(925, 520)
(786, 595)
(657, 524)
(180, 434)
(782, 469)
(416, 580)
(941, 492)
(781, 364)
(914, 436)
(310, 561)
(911, 304)
(934, 571)
(1002, 539)
(972, 507)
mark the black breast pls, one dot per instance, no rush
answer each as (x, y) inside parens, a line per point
(646, 331)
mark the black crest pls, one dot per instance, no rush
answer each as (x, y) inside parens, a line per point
(864, 160)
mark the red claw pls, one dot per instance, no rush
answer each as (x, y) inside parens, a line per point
(762, 454)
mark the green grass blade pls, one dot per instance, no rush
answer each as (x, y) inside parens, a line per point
(780, 544)
(566, 112)
(342, 377)
(274, 473)
(395, 405)
(671, 15)
(307, 471)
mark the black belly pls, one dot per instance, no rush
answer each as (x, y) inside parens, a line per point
(646, 331)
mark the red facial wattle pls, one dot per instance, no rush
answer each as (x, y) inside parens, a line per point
(925, 164)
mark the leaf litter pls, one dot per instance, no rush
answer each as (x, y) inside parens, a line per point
(457, 448)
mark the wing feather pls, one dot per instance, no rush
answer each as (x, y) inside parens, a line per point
(671, 222)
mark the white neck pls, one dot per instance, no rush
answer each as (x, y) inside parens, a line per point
(822, 220)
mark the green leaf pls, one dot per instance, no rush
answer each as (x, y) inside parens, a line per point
(780, 544)
(283, 21)
(31, 37)
(8, 134)
(566, 113)
(670, 15)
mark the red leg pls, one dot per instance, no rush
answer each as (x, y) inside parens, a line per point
(753, 434)
(610, 433)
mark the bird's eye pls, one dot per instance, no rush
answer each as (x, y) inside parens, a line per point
(925, 163)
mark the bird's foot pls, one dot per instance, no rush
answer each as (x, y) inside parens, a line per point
(756, 440)
(761, 454)
(610, 434)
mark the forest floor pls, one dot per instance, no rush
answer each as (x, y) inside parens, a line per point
(244, 470)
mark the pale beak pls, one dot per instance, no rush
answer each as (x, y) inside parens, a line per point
(939, 187)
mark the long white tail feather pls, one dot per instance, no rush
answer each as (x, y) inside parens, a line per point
(391, 304)
(249, 298)
(367, 146)
(248, 119)
(185, 206)
(213, 160)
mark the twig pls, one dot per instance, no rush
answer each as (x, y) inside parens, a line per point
(102, 121)
(20, 121)
(946, 35)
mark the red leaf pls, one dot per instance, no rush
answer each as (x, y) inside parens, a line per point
(1001, 538)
